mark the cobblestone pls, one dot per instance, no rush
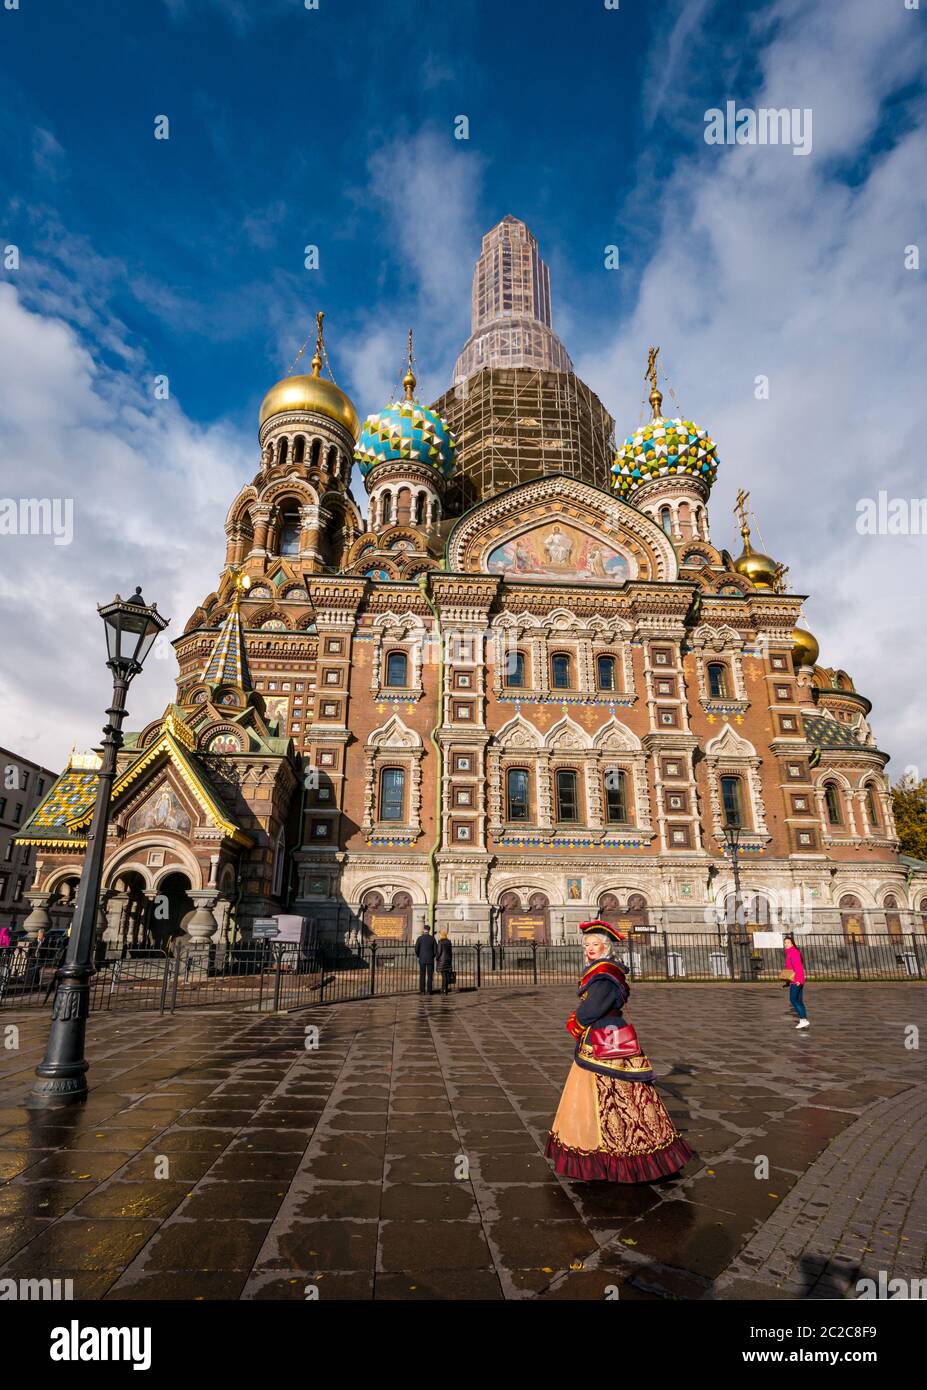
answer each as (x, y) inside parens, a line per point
(217, 1157)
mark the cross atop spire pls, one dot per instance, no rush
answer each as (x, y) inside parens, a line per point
(656, 396)
(408, 380)
(740, 511)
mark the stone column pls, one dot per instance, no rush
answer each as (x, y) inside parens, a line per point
(261, 517)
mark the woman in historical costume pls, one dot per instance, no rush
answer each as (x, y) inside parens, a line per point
(610, 1125)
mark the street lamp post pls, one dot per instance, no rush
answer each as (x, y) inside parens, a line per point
(732, 829)
(131, 628)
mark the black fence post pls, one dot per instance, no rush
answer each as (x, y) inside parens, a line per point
(534, 962)
(479, 971)
(278, 978)
(165, 976)
(260, 962)
(178, 952)
(666, 964)
(855, 947)
(373, 968)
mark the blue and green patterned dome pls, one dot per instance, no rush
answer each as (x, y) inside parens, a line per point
(664, 448)
(405, 430)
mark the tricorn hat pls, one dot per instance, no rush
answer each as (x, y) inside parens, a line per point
(605, 927)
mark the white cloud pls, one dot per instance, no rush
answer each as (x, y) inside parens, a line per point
(150, 492)
(768, 264)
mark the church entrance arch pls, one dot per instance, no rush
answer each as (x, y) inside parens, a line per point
(520, 924)
(173, 908)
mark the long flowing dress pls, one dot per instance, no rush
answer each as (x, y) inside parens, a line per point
(611, 1124)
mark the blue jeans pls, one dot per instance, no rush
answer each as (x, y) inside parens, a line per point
(796, 1000)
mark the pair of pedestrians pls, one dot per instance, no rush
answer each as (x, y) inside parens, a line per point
(432, 955)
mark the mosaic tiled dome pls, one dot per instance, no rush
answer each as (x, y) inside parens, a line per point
(664, 448)
(405, 430)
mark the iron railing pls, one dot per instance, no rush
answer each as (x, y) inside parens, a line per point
(262, 976)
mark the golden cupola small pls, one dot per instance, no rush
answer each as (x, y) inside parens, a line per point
(762, 571)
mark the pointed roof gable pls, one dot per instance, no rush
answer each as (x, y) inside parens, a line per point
(228, 663)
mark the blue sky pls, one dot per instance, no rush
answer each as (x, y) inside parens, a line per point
(335, 127)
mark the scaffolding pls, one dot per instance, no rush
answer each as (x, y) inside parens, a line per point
(513, 424)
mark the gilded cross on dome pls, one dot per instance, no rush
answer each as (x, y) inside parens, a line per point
(656, 398)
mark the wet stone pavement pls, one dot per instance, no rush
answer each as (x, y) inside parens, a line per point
(219, 1158)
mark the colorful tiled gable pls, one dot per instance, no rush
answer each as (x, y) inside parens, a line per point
(69, 799)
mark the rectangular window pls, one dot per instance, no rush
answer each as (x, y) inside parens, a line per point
(731, 801)
(567, 796)
(516, 795)
(616, 798)
(560, 675)
(392, 793)
(18, 813)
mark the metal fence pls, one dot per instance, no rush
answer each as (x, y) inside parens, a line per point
(263, 977)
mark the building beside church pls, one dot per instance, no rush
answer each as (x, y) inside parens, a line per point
(527, 688)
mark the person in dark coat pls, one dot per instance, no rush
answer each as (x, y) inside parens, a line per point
(444, 960)
(425, 950)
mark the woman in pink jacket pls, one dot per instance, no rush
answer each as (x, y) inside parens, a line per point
(793, 962)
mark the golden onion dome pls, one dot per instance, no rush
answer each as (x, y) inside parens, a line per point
(805, 649)
(758, 568)
(311, 395)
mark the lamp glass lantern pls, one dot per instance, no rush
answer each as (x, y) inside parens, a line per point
(131, 628)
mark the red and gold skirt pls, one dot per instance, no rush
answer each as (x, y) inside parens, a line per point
(608, 1130)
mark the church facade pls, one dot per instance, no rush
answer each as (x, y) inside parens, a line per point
(492, 710)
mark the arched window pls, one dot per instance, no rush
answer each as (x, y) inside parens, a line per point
(299, 448)
(717, 680)
(316, 453)
(872, 806)
(290, 528)
(616, 797)
(397, 669)
(605, 670)
(666, 520)
(392, 793)
(282, 451)
(517, 805)
(386, 507)
(332, 458)
(567, 796)
(515, 670)
(561, 673)
(832, 801)
(851, 916)
(731, 801)
(419, 508)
